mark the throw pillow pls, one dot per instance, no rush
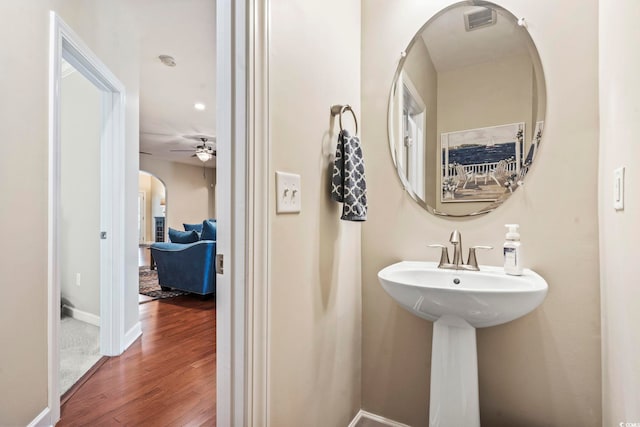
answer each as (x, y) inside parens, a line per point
(209, 230)
(189, 227)
(177, 236)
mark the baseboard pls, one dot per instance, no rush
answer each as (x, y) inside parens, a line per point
(382, 420)
(83, 316)
(132, 335)
(42, 420)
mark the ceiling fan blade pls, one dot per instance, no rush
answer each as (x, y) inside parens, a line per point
(144, 152)
(190, 151)
(160, 134)
(201, 138)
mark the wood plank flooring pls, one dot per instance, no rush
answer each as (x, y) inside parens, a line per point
(166, 378)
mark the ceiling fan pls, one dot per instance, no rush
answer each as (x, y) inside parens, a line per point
(204, 151)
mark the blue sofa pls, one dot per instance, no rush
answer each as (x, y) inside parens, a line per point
(188, 267)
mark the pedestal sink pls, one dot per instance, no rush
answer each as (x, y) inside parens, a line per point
(459, 301)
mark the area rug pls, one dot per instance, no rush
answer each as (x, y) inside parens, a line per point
(149, 285)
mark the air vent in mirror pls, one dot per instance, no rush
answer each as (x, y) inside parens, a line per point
(479, 18)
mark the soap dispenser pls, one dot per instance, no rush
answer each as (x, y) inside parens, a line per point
(512, 251)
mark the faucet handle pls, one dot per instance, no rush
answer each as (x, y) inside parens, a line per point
(444, 254)
(473, 261)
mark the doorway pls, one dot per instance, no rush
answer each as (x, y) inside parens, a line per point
(152, 228)
(86, 220)
(152, 210)
(80, 250)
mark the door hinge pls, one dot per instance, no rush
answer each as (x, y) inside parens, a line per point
(103, 235)
(219, 264)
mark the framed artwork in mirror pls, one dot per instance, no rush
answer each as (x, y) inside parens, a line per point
(482, 164)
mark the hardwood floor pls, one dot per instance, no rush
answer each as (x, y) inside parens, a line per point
(166, 378)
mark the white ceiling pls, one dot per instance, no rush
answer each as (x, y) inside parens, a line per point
(452, 47)
(185, 30)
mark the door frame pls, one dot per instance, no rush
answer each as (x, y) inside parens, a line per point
(65, 43)
(142, 217)
(242, 292)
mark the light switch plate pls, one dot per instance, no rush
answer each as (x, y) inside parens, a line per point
(288, 192)
(618, 189)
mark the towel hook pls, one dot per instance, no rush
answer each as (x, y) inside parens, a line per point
(339, 109)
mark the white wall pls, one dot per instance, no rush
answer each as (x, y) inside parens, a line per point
(190, 197)
(619, 231)
(80, 194)
(542, 369)
(24, 182)
(144, 186)
(314, 296)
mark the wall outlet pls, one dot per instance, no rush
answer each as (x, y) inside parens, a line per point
(78, 279)
(288, 192)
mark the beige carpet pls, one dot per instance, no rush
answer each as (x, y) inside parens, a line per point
(79, 350)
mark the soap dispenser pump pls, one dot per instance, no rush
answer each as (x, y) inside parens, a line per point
(512, 251)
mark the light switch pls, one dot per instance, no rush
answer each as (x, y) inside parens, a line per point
(288, 192)
(618, 189)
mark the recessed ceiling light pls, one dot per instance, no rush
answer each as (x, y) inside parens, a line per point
(168, 60)
(199, 106)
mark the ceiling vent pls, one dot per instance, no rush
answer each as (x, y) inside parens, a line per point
(479, 18)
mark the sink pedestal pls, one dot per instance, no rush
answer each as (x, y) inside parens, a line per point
(458, 302)
(454, 374)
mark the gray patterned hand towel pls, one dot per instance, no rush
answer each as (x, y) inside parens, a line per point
(348, 184)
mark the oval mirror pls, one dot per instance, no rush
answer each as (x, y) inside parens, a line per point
(467, 109)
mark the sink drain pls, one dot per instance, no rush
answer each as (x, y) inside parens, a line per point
(456, 281)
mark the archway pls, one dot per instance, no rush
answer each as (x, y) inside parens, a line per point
(152, 228)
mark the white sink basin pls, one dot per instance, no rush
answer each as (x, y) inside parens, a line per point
(482, 298)
(458, 302)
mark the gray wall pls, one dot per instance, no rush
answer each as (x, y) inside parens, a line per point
(24, 173)
(154, 192)
(80, 194)
(420, 70)
(190, 196)
(494, 93)
(314, 295)
(542, 369)
(619, 126)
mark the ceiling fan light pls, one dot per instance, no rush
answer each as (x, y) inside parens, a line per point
(203, 156)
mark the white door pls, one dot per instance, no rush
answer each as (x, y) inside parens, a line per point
(142, 220)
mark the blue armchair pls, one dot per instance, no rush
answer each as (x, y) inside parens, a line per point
(187, 267)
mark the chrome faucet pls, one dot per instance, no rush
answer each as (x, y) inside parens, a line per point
(458, 263)
(456, 240)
